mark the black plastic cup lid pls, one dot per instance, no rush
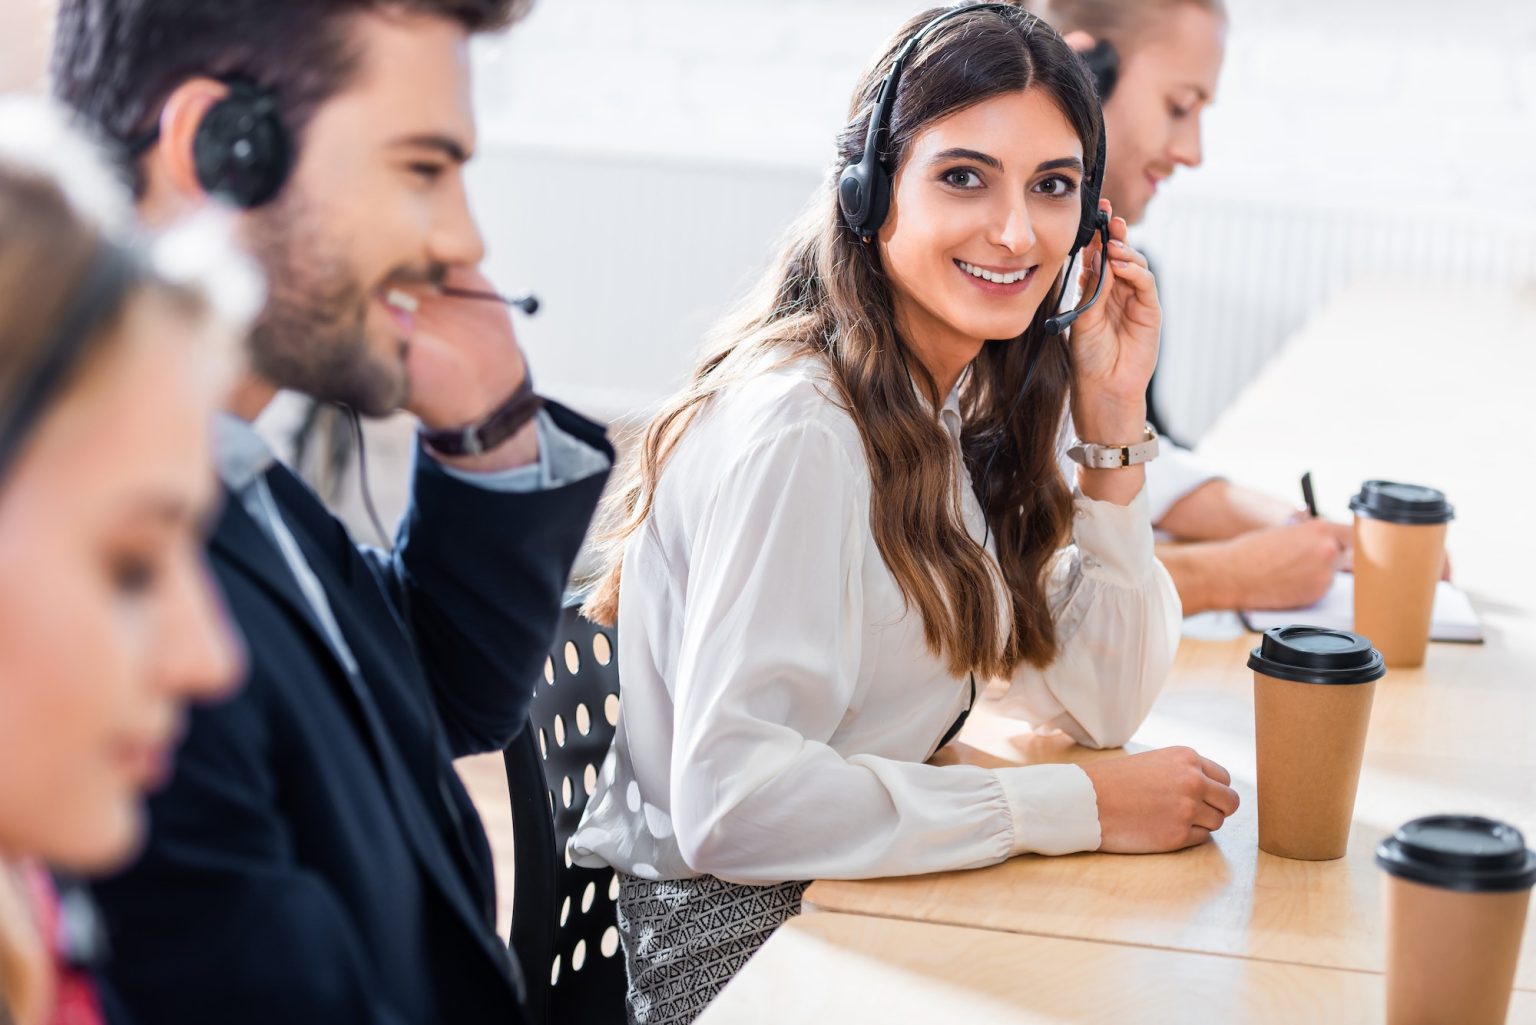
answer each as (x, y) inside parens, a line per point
(1402, 503)
(1315, 654)
(1460, 852)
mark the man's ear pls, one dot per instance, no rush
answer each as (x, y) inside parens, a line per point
(1080, 41)
(170, 170)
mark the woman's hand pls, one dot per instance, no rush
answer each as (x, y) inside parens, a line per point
(1159, 800)
(1114, 344)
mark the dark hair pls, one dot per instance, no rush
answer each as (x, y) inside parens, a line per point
(827, 296)
(116, 61)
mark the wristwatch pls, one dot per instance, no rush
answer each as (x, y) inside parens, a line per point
(1112, 457)
(501, 424)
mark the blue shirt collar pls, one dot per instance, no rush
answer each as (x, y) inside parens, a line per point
(240, 454)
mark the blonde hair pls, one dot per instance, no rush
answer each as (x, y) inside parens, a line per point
(61, 207)
(24, 986)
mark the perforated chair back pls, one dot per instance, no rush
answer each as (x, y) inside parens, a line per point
(564, 916)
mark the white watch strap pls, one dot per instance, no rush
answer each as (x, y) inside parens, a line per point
(1113, 457)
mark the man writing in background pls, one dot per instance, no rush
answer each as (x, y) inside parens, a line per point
(1157, 64)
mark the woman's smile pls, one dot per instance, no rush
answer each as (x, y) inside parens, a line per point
(998, 280)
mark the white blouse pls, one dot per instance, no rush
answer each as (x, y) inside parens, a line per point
(778, 700)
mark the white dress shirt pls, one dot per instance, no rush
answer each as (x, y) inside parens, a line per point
(778, 699)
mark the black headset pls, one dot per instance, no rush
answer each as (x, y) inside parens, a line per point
(243, 153)
(864, 188)
(1103, 62)
(241, 150)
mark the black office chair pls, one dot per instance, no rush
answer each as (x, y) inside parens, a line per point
(564, 916)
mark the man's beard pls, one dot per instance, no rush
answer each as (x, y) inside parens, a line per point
(312, 337)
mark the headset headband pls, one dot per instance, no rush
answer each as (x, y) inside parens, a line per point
(864, 187)
(885, 99)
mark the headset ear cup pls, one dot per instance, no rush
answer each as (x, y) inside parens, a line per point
(241, 150)
(852, 193)
(1088, 224)
(1092, 217)
(864, 194)
(879, 198)
(1103, 67)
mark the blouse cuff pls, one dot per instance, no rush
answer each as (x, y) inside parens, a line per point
(1115, 541)
(1054, 809)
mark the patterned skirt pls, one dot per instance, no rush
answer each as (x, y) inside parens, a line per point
(684, 939)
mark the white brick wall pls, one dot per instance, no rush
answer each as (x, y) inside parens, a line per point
(641, 158)
(740, 81)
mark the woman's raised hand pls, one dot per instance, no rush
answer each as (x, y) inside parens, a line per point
(1114, 343)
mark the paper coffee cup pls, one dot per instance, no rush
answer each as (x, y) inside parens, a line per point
(1458, 887)
(1399, 551)
(1312, 691)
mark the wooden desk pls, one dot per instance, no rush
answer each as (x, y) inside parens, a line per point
(1457, 735)
(1422, 756)
(851, 969)
(1428, 385)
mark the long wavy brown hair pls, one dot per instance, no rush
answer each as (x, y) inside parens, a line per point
(828, 297)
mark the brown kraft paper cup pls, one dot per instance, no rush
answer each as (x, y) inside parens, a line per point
(1310, 723)
(1453, 945)
(1396, 568)
(1399, 541)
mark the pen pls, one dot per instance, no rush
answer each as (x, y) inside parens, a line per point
(1306, 493)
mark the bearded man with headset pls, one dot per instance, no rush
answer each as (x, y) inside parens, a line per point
(315, 858)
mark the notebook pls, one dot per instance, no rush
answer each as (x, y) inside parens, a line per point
(1454, 617)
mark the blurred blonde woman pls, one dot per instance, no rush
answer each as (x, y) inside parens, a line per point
(111, 364)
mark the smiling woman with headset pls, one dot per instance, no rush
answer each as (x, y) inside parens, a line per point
(854, 515)
(110, 369)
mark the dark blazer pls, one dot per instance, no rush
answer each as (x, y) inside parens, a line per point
(315, 858)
